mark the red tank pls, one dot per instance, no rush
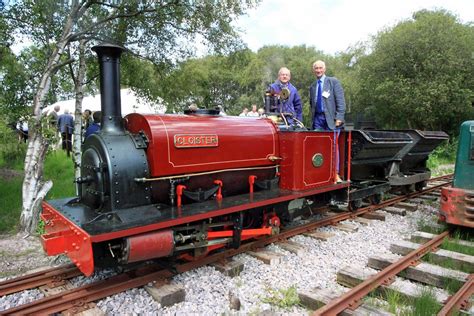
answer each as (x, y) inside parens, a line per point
(183, 144)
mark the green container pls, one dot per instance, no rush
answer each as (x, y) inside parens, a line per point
(464, 171)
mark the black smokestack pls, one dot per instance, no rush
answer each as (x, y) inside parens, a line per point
(111, 106)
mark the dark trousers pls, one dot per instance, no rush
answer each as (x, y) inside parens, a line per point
(67, 142)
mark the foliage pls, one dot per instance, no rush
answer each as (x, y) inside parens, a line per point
(394, 299)
(14, 86)
(425, 304)
(419, 74)
(10, 204)
(12, 151)
(283, 298)
(239, 79)
(58, 168)
(40, 229)
(424, 226)
(443, 154)
(453, 244)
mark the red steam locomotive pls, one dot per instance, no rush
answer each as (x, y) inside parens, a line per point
(183, 185)
(180, 186)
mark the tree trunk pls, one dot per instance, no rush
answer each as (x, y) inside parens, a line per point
(34, 189)
(79, 87)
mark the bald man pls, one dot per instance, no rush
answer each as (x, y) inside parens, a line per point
(326, 98)
(293, 103)
(327, 106)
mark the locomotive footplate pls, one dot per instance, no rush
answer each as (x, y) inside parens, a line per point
(126, 222)
(72, 228)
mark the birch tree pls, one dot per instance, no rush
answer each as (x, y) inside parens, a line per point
(162, 31)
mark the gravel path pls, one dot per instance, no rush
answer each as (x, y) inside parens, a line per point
(208, 291)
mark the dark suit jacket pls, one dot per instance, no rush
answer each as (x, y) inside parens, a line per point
(334, 105)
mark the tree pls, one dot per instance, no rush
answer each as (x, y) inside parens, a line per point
(162, 31)
(420, 74)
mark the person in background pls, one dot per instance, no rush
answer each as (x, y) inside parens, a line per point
(86, 119)
(66, 127)
(254, 112)
(261, 112)
(53, 116)
(22, 127)
(245, 111)
(193, 107)
(221, 110)
(292, 104)
(95, 126)
(327, 105)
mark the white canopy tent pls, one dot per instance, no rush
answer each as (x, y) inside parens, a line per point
(131, 103)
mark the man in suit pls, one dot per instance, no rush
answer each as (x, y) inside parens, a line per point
(66, 128)
(327, 105)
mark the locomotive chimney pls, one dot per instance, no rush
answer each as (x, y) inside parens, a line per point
(111, 106)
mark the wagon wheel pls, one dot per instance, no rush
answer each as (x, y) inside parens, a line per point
(409, 188)
(376, 198)
(420, 185)
(355, 204)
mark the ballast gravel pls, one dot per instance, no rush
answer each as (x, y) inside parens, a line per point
(209, 292)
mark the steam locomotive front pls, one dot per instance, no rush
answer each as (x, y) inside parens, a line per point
(112, 158)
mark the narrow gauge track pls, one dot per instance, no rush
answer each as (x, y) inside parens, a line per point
(353, 298)
(78, 297)
(53, 276)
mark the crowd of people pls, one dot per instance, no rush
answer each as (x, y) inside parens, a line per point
(254, 112)
(63, 124)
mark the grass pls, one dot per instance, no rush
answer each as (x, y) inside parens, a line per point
(283, 298)
(425, 304)
(446, 263)
(398, 304)
(429, 228)
(445, 154)
(57, 168)
(60, 169)
(394, 300)
(452, 245)
(10, 204)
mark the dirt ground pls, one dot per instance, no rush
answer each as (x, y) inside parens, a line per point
(19, 254)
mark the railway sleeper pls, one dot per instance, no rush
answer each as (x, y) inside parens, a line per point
(457, 260)
(423, 272)
(422, 237)
(317, 298)
(353, 276)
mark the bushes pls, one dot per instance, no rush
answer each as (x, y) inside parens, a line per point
(12, 152)
(443, 154)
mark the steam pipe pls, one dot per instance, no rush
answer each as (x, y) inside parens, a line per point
(111, 106)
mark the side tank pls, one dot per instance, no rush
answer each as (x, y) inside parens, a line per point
(196, 153)
(183, 144)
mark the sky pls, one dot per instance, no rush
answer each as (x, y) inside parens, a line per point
(334, 25)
